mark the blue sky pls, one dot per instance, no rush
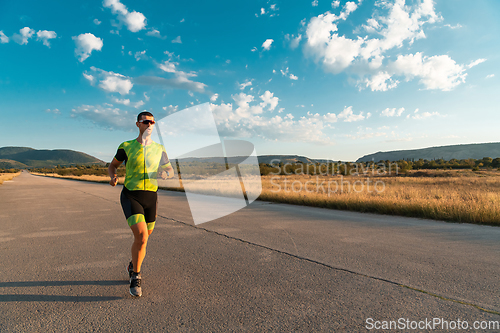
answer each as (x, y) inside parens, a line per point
(323, 79)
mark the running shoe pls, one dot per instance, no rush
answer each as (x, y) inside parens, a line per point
(130, 269)
(135, 285)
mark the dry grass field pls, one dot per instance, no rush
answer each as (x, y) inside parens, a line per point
(7, 176)
(88, 178)
(458, 196)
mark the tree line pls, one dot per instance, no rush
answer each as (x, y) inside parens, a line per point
(280, 168)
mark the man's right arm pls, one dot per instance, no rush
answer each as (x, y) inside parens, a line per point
(113, 166)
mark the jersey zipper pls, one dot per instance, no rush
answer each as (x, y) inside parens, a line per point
(144, 173)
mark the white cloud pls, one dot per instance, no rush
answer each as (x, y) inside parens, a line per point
(140, 55)
(242, 100)
(245, 119)
(138, 104)
(392, 112)
(181, 81)
(381, 81)
(168, 66)
(85, 44)
(23, 36)
(254, 49)
(323, 43)
(456, 26)
(106, 116)
(294, 41)
(271, 11)
(423, 115)
(349, 7)
(90, 78)
(170, 108)
(214, 97)
(372, 25)
(3, 38)
(134, 21)
(327, 118)
(177, 40)
(45, 35)
(490, 76)
(116, 7)
(348, 115)
(116, 83)
(126, 101)
(267, 44)
(121, 101)
(268, 98)
(248, 118)
(97, 22)
(26, 33)
(335, 3)
(475, 63)
(171, 55)
(155, 33)
(245, 84)
(293, 77)
(109, 81)
(235, 123)
(403, 23)
(315, 3)
(55, 111)
(437, 72)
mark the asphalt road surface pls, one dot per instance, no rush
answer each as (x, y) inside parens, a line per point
(268, 267)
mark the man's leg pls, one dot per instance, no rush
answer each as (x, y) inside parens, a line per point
(141, 234)
(150, 226)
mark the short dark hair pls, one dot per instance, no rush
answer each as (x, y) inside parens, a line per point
(144, 113)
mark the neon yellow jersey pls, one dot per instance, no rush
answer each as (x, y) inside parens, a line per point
(142, 164)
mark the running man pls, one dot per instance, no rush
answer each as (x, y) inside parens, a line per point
(144, 161)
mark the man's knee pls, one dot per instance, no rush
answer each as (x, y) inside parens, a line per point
(142, 238)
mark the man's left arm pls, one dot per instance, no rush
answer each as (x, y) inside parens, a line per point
(166, 166)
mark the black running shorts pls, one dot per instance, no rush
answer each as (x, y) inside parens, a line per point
(139, 206)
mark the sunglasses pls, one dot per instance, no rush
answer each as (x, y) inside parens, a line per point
(147, 122)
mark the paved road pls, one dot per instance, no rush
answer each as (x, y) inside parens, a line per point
(269, 267)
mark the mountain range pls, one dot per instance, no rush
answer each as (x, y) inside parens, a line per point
(460, 152)
(25, 157)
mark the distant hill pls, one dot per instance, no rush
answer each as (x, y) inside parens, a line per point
(10, 164)
(459, 152)
(289, 159)
(22, 157)
(13, 150)
(262, 159)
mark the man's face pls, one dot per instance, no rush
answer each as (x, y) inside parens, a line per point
(145, 125)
